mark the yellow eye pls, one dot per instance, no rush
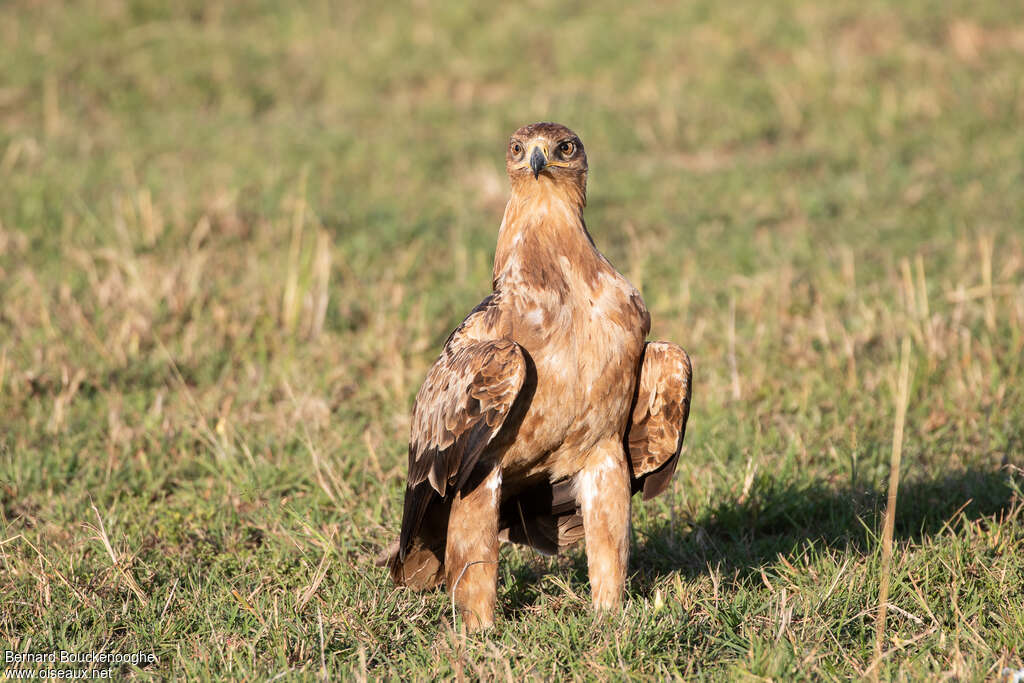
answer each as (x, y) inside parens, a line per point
(567, 149)
(517, 149)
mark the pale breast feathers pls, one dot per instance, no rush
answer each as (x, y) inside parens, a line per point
(662, 406)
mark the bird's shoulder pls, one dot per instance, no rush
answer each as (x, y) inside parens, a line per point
(476, 352)
(483, 323)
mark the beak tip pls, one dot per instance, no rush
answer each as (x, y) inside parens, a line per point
(537, 162)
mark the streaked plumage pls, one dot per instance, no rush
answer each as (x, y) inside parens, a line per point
(546, 409)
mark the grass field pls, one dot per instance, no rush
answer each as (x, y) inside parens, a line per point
(233, 237)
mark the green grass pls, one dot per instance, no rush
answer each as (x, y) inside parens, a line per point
(234, 236)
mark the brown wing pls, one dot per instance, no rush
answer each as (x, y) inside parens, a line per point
(660, 410)
(459, 409)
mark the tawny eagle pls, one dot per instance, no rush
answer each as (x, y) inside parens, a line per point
(546, 409)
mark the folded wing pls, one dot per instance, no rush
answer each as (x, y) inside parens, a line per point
(459, 410)
(660, 410)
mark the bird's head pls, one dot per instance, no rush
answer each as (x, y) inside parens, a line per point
(547, 152)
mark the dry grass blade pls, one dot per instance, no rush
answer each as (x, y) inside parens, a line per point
(101, 535)
(323, 656)
(314, 585)
(902, 396)
(733, 365)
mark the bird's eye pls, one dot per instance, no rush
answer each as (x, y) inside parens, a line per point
(567, 149)
(517, 149)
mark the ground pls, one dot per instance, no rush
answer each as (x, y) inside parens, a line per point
(233, 237)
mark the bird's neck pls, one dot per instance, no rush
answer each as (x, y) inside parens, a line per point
(543, 224)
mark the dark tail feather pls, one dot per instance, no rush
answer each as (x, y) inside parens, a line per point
(543, 517)
(421, 566)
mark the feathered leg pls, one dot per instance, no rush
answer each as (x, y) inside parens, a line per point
(604, 494)
(471, 557)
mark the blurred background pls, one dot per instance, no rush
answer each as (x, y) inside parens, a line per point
(233, 237)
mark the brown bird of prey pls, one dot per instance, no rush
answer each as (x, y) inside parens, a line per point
(546, 410)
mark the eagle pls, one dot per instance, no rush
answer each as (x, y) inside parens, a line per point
(546, 409)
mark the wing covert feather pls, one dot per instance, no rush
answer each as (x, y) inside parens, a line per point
(460, 408)
(660, 411)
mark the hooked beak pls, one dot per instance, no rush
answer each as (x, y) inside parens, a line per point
(537, 161)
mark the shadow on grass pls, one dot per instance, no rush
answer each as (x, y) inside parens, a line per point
(739, 538)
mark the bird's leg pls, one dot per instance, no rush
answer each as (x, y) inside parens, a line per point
(471, 557)
(603, 487)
